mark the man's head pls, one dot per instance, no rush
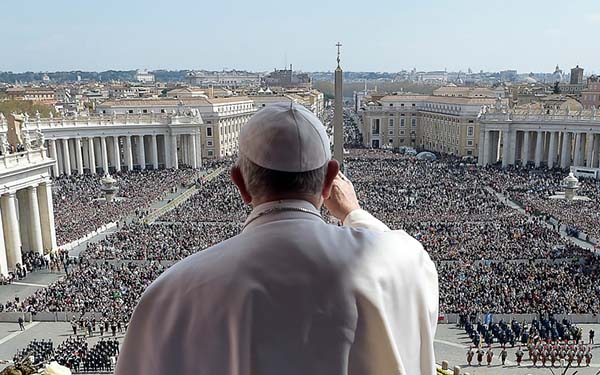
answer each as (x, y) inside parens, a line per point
(284, 154)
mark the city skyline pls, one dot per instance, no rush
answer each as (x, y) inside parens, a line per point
(260, 36)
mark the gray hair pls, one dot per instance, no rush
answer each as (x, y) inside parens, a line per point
(262, 181)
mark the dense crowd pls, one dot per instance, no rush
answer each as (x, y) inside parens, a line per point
(533, 190)
(79, 209)
(490, 258)
(161, 241)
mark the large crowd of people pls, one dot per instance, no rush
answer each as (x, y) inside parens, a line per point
(490, 257)
(79, 208)
(486, 253)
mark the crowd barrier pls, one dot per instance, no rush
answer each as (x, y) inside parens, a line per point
(573, 318)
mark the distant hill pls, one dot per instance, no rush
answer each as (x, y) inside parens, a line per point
(326, 87)
(106, 76)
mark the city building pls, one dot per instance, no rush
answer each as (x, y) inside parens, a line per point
(41, 95)
(222, 118)
(287, 78)
(576, 75)
(444, 122)
(26, 215)
(557, 138)
(590, 97)
(144, 76)
(230, 78)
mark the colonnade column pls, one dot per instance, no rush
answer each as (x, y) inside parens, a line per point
(92, 155)
(44, 196)
(525, 149)
(12, 235)
(154, 148)
(565, 155)
(198, 149)
(539, 148)
(104, 155)
(128, 153)
(481, 147)
(552, 150)
(79, 156)
(141, 152)
(578, 157)
(486, 148)
(117, 154)
(52, 146)
(595, 147)
(193, 157)
(3, 262)
(66, 157)
(35, 227)
(174, 160)
(512, 146)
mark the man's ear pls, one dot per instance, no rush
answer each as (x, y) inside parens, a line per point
(332, 171)
(238, 180)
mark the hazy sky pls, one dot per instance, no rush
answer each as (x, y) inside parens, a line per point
(527, 35)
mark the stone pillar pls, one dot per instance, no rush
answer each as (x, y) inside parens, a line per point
(552, 152)
(512, 146)
(539, 148)
(505, 148)
(12, 236)
(53, 155)
(578, 158)
(92, 156)
(44, 196)
(589, 156)
(199, 149)
(193, 158)
(141, 152)
(128, 153)
(35, 227)
(525, 151)
(595, 155)
(154, 148)
(104, 155)
(174, 161)
(487, 147)
(481, 147)
(565, 155)
(3, 262)
(66, 156)
(117, 154)
(79, 156)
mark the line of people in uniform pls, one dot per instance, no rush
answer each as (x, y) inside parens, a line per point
(540, 354)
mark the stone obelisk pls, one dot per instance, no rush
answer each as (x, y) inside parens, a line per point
(338, 114)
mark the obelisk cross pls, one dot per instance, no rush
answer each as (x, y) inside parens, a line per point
(338, 45)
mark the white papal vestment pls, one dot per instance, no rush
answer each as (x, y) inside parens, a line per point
(291, 295)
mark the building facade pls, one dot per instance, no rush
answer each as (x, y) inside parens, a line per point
(441, 123)
(590, 97)
(26, 211)
(559, 139)
(231, 78)
(220, 124)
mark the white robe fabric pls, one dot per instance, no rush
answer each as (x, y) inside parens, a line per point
(291, 295)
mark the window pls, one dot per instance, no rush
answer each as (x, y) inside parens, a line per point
(401, 132)
(413, 123)
(470, 131)
(469, 143)
(131, 111)
(391, 132)
(391, 123)
(209, 131)
(375, 127)
(209, 143)
(402, 122)
(413, 104)
(145, 111)
(391, 104)
(210, 153)
(402, 105)
(390, 141)
(162, 110)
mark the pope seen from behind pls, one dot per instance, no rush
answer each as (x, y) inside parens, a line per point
(291, 294)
